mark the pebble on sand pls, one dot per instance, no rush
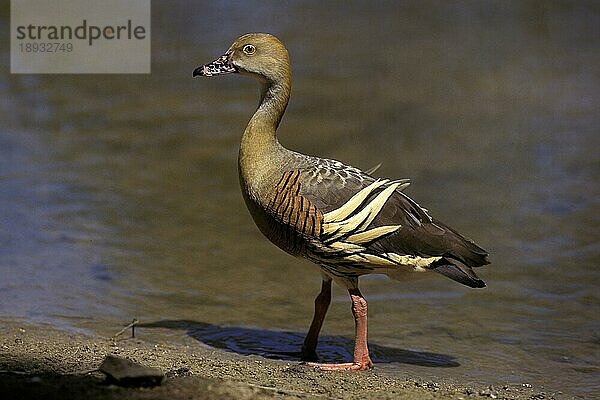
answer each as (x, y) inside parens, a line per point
(124, 372)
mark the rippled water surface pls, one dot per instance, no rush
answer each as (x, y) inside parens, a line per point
(119, 195)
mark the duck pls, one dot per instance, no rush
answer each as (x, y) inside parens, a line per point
(337, 216)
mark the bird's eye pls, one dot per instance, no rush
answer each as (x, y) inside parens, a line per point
(249, 49)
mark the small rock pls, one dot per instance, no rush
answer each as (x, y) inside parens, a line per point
(123, 372)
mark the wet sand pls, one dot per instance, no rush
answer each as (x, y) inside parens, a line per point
(42, 362)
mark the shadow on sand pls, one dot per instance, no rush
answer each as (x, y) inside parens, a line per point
(286, 345)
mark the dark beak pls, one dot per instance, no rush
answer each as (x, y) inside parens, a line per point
(220, 66)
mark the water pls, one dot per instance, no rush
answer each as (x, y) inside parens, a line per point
(119, 195)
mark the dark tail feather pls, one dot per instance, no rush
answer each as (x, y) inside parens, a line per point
(459, 272)
(466, 250)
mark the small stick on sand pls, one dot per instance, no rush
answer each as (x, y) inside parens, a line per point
(132, 326)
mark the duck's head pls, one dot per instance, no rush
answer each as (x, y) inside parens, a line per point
(258, 54)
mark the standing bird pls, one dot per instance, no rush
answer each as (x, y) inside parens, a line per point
(335, 215)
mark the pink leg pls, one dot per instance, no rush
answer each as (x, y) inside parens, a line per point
(362, 361)
(322, 301)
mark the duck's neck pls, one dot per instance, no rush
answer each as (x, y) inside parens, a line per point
(259, 147)
(261, 132)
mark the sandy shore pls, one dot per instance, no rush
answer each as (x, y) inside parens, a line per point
(45, 363)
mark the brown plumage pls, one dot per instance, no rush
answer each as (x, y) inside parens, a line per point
(337, 216)
(293, 209)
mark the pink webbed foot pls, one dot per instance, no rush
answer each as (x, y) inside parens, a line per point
(353, 366)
